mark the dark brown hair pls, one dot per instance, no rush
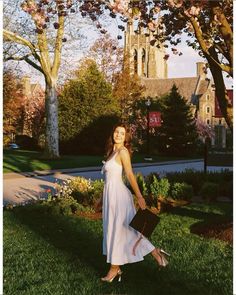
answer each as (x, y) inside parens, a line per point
(110, 141)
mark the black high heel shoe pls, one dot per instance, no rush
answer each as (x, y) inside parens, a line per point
(119, 273)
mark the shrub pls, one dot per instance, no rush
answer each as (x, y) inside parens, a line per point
(209, 191)
(84, 191)
(97, 190)
(159, 188)
(97, 131)
(197, 178)
(149, 179)
(65, 206)
(226, 189)
(81, 190)
(182, 191)
(27, 142)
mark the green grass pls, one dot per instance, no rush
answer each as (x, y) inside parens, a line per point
(26, 161)
(55, 254)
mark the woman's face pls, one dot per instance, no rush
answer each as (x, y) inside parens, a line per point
(119, 135)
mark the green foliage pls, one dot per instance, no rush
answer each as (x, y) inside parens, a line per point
(26, 142)
(84, 99)
(177, 135)
(210, 191)
(182, 191)
(65, 206)
(197, 178)
(77, 194)
(97, 190)
(160, 188)
(150, 178)
(84, 191)
(97, 132)
(226, 189)
(137, 119)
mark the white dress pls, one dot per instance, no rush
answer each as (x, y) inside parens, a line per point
(118, 210)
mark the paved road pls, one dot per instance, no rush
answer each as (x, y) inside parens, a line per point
(20, 188)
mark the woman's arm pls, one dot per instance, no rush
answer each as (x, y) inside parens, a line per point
(125, 160)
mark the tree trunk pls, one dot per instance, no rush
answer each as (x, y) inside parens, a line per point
(220, 90)
(52, 131)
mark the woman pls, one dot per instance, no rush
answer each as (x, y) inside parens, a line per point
(118, 209)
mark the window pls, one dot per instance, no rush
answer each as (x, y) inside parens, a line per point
(208, 122)
(219, 121)
(207, 96)
(208, 109)
(143, 63)
(135, 61)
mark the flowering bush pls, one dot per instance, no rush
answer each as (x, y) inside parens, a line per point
(84, 191)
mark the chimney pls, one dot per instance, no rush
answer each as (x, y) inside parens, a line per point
(26, 85)
(201, 70)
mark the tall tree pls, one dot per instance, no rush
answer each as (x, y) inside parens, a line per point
(127, 88)
(177, 134)
(84, 99)
(37, 38)
(34, 114)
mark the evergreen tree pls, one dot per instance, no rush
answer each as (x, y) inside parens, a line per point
(177, 135)
(83, 100)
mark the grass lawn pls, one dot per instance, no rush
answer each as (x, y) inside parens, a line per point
(25, 161)
(55, 254)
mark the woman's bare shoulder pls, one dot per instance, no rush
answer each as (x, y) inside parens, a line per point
(123, 152)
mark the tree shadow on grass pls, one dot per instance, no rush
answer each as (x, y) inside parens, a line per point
(82, 239)
(205, 218)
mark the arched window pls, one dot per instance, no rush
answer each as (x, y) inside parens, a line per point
(208, 109)
(135, 61)
(143, 62)
(208, 122)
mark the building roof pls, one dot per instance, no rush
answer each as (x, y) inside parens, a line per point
(158, 87)
(202, 88)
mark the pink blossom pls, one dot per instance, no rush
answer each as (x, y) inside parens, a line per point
(194, 10)
(151, 26)
(120, 6)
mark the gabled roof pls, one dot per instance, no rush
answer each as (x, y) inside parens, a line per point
(157, 87)
(202, 88)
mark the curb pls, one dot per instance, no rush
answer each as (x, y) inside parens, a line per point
(88, 169)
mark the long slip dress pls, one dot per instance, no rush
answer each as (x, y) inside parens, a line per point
(118, 210)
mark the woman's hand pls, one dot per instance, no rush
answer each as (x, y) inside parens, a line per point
(142, 203)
